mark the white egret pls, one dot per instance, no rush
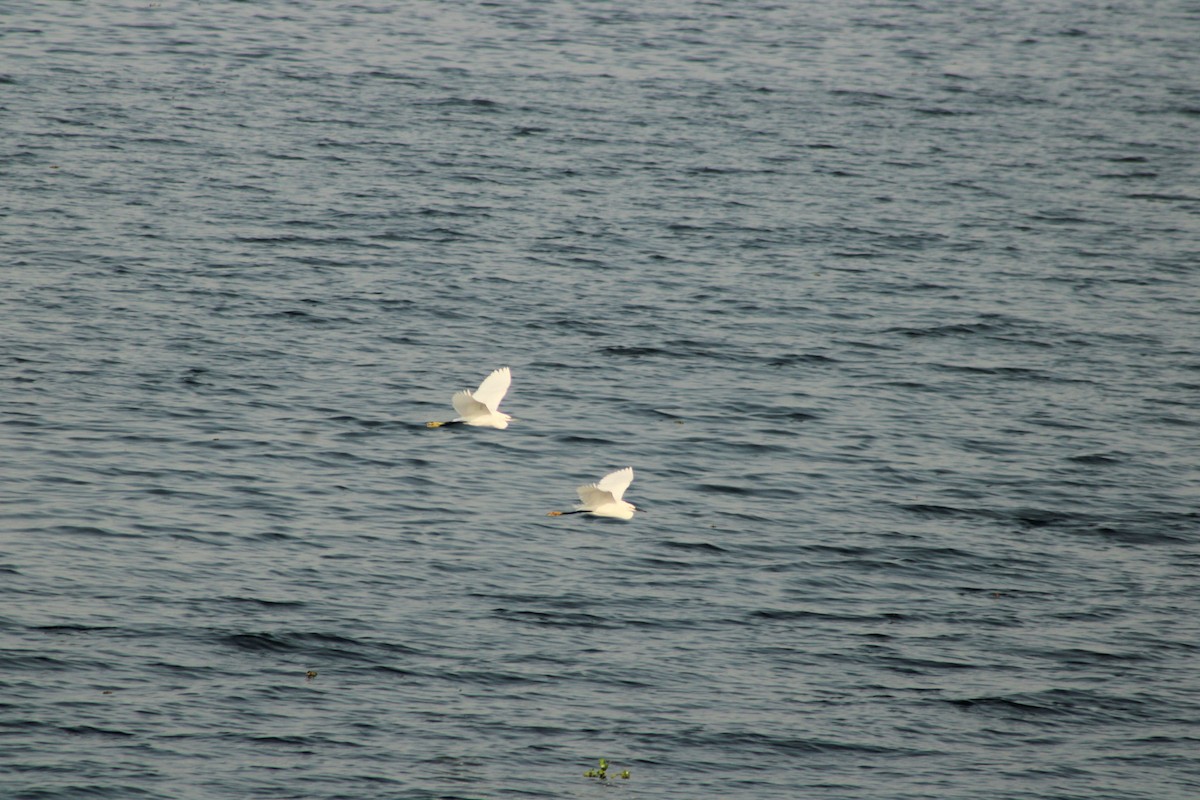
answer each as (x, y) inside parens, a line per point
(603, 498)
(481, 406)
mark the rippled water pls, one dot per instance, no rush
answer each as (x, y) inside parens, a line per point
(891, 306)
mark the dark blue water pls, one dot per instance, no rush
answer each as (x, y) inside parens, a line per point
(893, 308)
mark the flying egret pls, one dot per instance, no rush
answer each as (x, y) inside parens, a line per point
(603, 498)
(480, 407)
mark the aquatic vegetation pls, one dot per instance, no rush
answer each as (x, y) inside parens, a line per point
(602, 772)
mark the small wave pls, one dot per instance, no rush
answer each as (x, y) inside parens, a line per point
(556, 618)
(260, 602)
(1168, 198)
(1061, 705)
(701, 546)
(792, 745)
(1096, 458)
(259, 643)
(91, 730)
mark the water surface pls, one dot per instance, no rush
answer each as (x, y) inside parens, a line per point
(891, 307)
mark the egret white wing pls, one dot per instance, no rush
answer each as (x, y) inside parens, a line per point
(467, 406)
(592, 496)
(616, 482)
(493, 388)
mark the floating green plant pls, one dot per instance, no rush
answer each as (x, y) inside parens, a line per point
(602, 773)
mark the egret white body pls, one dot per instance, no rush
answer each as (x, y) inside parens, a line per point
(603, 498)
(481, 407)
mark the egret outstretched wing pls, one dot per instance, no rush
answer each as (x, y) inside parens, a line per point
(592, 497)
(467, 406)
(616, 482)
(608, 489)
(493, 389)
